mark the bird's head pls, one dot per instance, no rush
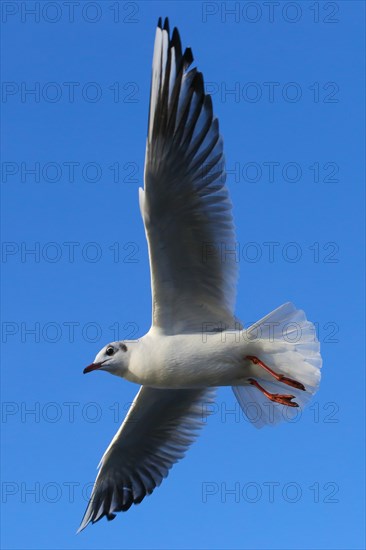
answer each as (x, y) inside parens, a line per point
(113, 358)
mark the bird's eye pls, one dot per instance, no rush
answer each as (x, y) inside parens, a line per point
(110, 351)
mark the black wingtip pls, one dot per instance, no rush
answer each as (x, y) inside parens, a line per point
(198, 83)
(166, 24)
(164, 27)
(188, 57)
(176, 42)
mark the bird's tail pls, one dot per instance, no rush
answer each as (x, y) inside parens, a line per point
(286, 342)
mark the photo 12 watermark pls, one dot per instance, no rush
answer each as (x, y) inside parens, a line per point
(66, 412)
(70, 92)
(230, 412)
(70, 171)
(70, 11)
(271, 252)
(276, 172)
(270, 12)
(68, 331)
(49, 492)
(69, 252)
(274, 92)
(254, 492)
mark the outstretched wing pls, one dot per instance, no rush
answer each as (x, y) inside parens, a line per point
(185, 205)
(156, 433)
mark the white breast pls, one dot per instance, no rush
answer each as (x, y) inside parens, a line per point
(188, 360)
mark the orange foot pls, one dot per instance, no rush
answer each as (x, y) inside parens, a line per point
(284, 399)
(279, 377)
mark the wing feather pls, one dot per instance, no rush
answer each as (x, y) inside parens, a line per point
(185, 204)
(157, 431)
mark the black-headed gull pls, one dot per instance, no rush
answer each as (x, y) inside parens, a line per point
(195, 343)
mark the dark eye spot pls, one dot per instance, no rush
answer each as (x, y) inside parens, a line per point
(123, 347)
(110, 351)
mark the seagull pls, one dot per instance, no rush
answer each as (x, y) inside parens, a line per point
(195, 342)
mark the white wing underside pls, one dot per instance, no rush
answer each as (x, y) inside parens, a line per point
(157, 431)
(185, 204)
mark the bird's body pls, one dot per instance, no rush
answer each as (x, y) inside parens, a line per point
(206, 359)
(195, 342)
(190, 360)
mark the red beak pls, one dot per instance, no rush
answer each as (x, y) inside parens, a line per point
(93, 366)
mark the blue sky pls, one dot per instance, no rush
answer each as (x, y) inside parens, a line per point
(288, 88)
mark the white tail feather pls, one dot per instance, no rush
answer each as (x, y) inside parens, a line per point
(285, 341)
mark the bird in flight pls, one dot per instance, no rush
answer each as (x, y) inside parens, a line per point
(195, 342)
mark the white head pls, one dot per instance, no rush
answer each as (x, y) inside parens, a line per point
(113, 358)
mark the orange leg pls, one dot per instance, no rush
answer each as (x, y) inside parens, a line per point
(284, 399)
(279, 377)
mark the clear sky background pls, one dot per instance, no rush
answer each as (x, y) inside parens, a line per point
(287, 86)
